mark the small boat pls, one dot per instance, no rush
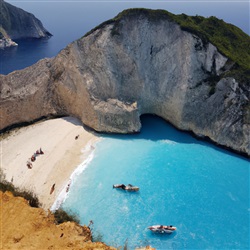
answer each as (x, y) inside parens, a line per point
(162, 229)
(129, 187)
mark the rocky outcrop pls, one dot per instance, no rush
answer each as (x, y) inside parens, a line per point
(132, 66)
(7, 42)
(16, 23)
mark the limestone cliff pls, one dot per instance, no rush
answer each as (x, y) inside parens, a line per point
(16, 23)
(137, 63)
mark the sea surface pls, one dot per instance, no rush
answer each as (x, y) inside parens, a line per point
(201, 189)
(70, 20)
(193, 185)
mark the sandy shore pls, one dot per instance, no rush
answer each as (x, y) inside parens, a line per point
(62, 154)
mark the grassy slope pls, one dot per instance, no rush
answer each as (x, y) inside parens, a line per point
(229, 39)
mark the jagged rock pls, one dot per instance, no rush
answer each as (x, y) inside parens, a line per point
(7, 42)
(16, 23)
(123, 69)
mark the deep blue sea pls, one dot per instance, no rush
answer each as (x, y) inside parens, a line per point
(193, 185)
(201, 189)
(70, 20)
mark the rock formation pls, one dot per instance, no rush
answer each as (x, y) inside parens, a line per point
(132, 65)
(16, 23)
(6, 42)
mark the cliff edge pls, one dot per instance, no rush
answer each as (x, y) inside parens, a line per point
(16, 23)
(140, 62)
(25, 227)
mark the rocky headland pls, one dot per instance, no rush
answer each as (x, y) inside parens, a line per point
(16, 23)
(142, 62)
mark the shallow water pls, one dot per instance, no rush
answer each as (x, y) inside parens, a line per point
(193, 185)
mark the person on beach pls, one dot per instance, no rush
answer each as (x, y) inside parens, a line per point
(68, 186)
(90, 223)
(52, 188)
(33, 157)
(41, 152)
(29, 165)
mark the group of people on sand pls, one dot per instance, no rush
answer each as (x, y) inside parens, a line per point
(33, 158)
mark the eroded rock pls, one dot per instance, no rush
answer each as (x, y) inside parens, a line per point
(130, 67)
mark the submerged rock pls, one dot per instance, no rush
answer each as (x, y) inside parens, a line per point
(141, 62)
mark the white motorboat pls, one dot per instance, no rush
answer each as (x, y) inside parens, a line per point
(129, 187)
(162, 229)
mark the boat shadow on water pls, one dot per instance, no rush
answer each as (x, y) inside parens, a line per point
(154, 235)
(126, 192)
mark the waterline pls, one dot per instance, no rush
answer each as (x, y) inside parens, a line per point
(195, 186)
(88, 151)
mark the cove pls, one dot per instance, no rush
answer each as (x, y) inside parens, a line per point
(201, 189)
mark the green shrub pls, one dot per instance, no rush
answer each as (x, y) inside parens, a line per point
(28, 195)
(62, 216)
(97, 237)
(229, 39)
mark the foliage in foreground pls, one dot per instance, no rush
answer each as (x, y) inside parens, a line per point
(62, 216)
(28, 195)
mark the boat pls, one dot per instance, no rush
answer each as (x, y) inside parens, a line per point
(162, 229)
(129, 187)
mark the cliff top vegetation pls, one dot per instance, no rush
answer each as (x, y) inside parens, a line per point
(230, 40)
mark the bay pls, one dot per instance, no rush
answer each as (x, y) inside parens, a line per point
(201, 189)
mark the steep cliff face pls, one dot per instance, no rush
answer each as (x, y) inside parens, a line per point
(131, 66)
(16, 23)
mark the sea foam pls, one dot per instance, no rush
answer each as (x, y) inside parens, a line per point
(88, 153)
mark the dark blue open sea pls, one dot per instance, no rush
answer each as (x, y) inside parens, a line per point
(199, 188)
(70, 20)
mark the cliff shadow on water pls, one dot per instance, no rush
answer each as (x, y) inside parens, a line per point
(155, 128)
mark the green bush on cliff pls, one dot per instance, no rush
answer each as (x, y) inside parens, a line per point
(28, 195)
(229, 39)
(62, 216)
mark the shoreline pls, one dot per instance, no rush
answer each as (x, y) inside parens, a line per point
(63, 194)
(66, 146)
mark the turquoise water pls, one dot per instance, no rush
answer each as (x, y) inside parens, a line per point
(193, 185)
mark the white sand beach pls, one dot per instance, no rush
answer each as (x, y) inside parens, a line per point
(63, 152)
